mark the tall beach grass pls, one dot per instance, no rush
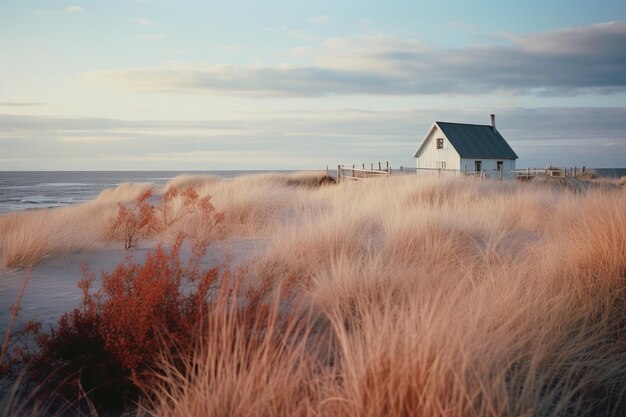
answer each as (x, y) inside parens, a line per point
(422, 297)
(444, 297)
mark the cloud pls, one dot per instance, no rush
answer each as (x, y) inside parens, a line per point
(150, 37)
(74, 9)
(563, 62)
(19, 104)
(143, 22)
(174, 51)
(604, 39)
(276, 29)
(292, 139)
(50, 12)
(319, 20)
(282, 80)
(302, 35)
(232, 49)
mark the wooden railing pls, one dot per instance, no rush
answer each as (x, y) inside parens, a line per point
(568, 177)
(544, 173)
(444, 172)
(358, 174)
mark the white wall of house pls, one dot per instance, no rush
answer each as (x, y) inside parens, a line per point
(431, 157)
(487, 165)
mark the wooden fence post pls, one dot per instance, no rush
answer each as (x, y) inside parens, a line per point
(401, 171)
(338, 173)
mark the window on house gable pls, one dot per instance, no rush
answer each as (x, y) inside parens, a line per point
(439, 143)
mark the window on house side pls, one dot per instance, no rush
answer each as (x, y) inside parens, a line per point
(499, 166)
(439, 143)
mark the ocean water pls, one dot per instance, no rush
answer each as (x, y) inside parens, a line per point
(27, 190)
(611, 172)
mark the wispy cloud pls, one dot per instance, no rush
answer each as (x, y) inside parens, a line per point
(319, 20)
(174, 51)
(150, 37)
(143, 22)
(74, 9)
(292, 139)
(562, 62)
(19, 104)
(302, 35)
(50, 12)
(233, 49)
(276, 29)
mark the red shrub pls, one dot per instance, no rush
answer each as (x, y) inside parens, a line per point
(142, 310)
(135, 223)
(137, 299)
(142, 219)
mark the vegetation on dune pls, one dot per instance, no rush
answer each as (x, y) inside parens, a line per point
(107, 351)
(397, 297)
(140, 220)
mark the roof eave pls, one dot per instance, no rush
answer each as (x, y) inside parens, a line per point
(508, 158)
(423, 142)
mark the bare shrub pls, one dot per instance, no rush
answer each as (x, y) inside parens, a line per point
(27, 238)
(106, 346)
(133, 223)
(141, 219)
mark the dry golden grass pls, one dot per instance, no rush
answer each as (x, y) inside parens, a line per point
(439, 297)
(425, 297)
(251, 205)
(26, 238)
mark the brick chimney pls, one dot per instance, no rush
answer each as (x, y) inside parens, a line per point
(492, 120)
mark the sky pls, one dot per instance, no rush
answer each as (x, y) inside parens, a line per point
(214, 85)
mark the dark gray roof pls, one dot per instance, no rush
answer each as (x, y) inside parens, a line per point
(477, 141)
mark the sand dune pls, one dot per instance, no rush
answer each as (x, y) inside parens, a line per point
(430, 296)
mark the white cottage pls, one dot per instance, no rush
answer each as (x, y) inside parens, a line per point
(466, 148)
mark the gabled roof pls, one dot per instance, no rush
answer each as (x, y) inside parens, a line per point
(474, 141)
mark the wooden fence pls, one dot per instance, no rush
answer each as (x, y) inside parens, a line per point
(354, 173)
(443, 172)
(568, 177)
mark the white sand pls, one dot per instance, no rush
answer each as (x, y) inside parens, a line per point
(52, 286)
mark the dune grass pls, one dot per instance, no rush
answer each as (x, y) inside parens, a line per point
(27, 238)
(440, 297)
(251, 205)
(421, 297)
